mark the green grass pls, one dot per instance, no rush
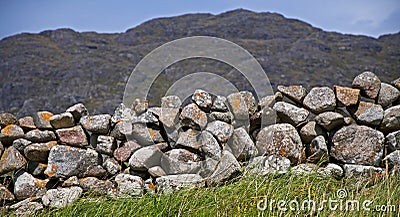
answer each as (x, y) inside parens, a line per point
(239, 198)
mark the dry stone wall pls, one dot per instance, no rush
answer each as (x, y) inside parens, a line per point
(51, 159)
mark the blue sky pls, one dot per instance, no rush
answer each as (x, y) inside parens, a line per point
(366, 17)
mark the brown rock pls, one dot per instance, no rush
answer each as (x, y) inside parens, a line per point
(346, 96)
(10, 133)
(27, 123)
(7, 119)
(74, 136)
(124, 152)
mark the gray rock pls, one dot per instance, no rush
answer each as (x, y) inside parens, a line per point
(42, 120)
(330, 120)
(396, 83)
(180, 161)
(140, 105)
(40, 136)
(202, 99)
(250, 102)
(146, 118)
(71, 181)
(241, 145)
(393, 141)
(290, 113)
(317, 150)
(65, 161)
(188, 139)
(368, 83)
(280, 139)
(209, 145)
(61, 197)
(311, 130)
(228, 167)
(358, 145)
(106, 145)
(156, 171)
(62, 120)
(331, 170)
(28, 186)
(169, 117)
(360, 171)
(121, 129)
(74, 136)
(95, 171)
(142, 134)
(129, 185)
(269, 101)
(112, 166)
(99, 124)
(147, 157)
(296, 93)
(26, 123)
(369, 114)
(20, 144)
(392, 159)
(346, 96)
(221, 130)
(320, 99)
(122, 113)
(267, 116)
(5, 194)
(10, 133)
(263, 165)
(387, 95)
(78, 110)
(304, 169)
(39, 152)
(167, 184)
(7, 119)
(192, 116)
(219, 104)
(11, 160)
(96, 186)
(222, 116)
(124, 152)
(238, 106)
(171, 102)
(391, 119)
(36, 169)
(27, 207)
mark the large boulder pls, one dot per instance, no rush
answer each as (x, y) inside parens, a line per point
(280, 139)
(65, 161)
(358, 145)
(368, 83)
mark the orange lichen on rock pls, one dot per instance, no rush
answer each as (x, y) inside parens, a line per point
(46, 115)
(151, 133)
(7, 130)
(40, 183)
(236, 103)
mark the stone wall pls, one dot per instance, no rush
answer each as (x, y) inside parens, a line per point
(51, 159)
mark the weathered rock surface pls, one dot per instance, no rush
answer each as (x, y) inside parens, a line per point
(311, 130)
(142, 134)
(263, 165)
(238, 106)
(78, 110)
(391, 119)
(129, 185)
(387, 94)
(269, 101)
(26, 123)
(227, 168)
(39, 152)
(95, 185)
(393, 141)
(27, 207)
(360, 171)
(221, 130)
(250, 101)
(147, 157)
(124, 152)
(180, 161)
(10, 133)
(61, 197)
(188, 139)
(346, 96)
(330, 120)
(369, 114)
(358, 145)
(209, 145)
(99, 124)
(7, 119)
(280, 139)
(167, 184)
(192, 116)
(320, 99)
(293, 92)
(140, 106)
(317, 150)
(122, 113)
(74, 136)
(42, 120)
(368, 83)
(171, 102)
(40, 136)
(393, 159)
(202, 99)
(220, 104)
(11, 160)
(28, 186)
(290, 113)
(65, 161)
(241, 145)
(222, 116)
(5, 194)
(62, 120)
(106, 145)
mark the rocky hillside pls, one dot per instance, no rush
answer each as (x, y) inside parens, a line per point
(54, 69)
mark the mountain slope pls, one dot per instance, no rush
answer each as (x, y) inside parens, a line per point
(54, 69)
